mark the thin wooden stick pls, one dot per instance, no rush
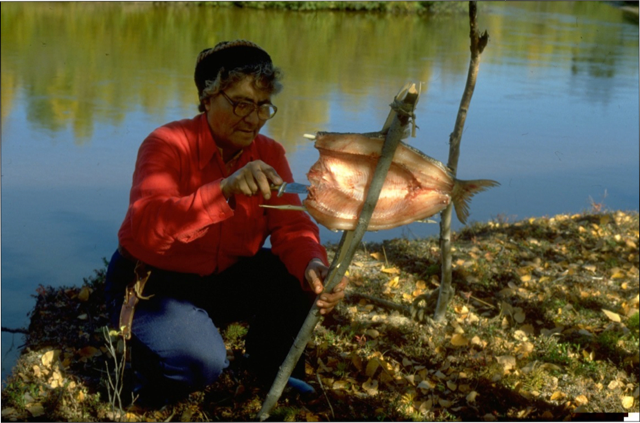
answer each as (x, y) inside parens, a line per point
(478, 43)
(325, 395)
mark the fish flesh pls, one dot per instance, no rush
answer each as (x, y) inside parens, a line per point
(416, 187)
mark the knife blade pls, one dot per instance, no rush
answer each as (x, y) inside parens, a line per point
(290, 188)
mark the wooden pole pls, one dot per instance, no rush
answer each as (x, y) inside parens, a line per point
(348, 244)
(478, 43)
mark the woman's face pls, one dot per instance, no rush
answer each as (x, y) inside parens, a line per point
(231, 132)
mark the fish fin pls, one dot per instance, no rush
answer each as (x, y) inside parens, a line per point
(426, 221)
(285, 207)
(462, 193)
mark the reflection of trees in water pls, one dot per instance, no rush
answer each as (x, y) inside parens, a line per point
(78, 63)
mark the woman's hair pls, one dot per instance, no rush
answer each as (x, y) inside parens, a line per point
(265, 77)
(229, 62)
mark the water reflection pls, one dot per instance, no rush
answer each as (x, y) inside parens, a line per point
(79, 63)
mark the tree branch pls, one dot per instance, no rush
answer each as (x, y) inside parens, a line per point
(17, 330)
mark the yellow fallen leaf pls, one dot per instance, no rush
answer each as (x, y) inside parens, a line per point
(508, 362)
(618, 275)
(390, 270)
(421, 285)
(357, 362)
(557, 395)
(372, 333)
(471, 396)
(444, 403)
(393, 282)
(37, 410)
(427, 384)
(376, 256)
(525, 349)
(425, 406)
(477, 341)
(36, 371)
(50, 357)
(627, 402)
(461, 309)
(311, 417)
(386, 377)
(459, 340)
(371, 386)
(372, 366)
(519, 316)
(452, 385)
(525, 278)
(84, 294)
(611, 315)
(340, 384)
(581, 400)
(8, 413)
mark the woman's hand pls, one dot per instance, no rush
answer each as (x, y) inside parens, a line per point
(315, 274)
(248, 180)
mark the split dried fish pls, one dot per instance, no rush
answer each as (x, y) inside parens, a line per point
(416, 187)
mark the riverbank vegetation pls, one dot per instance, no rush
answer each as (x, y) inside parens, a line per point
(544, 325)
(419, 7)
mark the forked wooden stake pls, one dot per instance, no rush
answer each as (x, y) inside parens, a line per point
(403, 107)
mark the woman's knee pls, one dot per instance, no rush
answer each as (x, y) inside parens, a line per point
(187, 349)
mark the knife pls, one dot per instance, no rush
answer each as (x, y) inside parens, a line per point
(290, 188)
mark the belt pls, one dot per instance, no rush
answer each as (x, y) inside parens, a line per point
(133, 292)
(126, 254)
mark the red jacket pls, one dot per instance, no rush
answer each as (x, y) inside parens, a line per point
(179, 220)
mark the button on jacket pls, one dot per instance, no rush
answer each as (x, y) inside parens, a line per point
(179, 220)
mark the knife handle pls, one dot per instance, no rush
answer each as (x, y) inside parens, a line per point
(280, 188)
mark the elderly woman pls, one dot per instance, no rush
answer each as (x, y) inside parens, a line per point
(190, 257)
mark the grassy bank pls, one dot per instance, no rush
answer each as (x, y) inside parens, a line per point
(544, 325)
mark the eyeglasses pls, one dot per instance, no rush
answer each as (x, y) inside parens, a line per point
(245, 108)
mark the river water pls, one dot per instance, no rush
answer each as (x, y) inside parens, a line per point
(554, 116)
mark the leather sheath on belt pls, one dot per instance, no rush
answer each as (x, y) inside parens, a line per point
(133, 293)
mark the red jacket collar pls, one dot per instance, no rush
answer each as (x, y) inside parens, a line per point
(207, 146)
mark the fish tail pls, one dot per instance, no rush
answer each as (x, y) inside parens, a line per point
(462, 193)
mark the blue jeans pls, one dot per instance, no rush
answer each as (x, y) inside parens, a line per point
(176, 346)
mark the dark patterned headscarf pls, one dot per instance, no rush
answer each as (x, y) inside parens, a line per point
(227, 56)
